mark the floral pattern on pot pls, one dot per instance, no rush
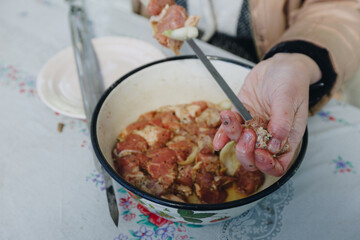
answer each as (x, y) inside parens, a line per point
(192, 217)
(258, 217)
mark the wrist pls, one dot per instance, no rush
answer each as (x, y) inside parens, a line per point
(302, 64)
(309, 66)
(319, 89)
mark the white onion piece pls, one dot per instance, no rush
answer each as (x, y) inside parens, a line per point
(191, 158)
(125, 152)
(228, 158)
(225, 105)
(182, 34)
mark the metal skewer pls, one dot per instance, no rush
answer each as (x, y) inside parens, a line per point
(219, 79)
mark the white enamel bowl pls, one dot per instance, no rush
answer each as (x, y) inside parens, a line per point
(172, 81)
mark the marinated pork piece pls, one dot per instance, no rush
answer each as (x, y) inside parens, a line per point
(184, 149)
(248, 182)
(129, 168)
(132, 142)
(154, 7)
(162, 166)
(169, 152)
(185, 175)
(211, 188)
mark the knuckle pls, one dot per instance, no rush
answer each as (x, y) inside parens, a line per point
(280, 128)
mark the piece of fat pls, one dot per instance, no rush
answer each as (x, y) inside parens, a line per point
(225, 105)
(182, 34)
(149, 133)
(228, 158)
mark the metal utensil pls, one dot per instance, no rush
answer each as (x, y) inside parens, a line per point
(219, 79)
(91, 83)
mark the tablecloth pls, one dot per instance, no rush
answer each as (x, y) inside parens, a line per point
(50, 189)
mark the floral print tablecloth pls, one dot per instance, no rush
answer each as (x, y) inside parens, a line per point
(50, 189)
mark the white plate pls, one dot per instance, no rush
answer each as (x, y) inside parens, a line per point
(58, 84)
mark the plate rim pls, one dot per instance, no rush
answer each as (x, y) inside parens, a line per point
(41, 81)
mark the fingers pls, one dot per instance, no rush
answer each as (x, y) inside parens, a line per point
(230, 129)
(295, 136)
(231, 123)
(261, 159)
(281, 122)
(220, 139)
(266, 163)
(245, 149)
(284, 134)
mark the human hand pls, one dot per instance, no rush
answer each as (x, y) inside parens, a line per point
(276, 90)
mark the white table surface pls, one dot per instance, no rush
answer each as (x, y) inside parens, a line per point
(49, 188)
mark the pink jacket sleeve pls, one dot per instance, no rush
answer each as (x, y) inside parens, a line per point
(334, 26)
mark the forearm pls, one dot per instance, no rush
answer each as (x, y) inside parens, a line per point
(334, 26)
(329, 33)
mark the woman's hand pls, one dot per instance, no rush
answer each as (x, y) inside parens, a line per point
(276, 90)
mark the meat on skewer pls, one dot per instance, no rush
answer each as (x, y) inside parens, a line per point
(171, 24)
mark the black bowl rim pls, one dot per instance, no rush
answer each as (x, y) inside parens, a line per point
(178, 205)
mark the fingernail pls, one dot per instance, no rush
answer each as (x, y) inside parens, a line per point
(216, 141)
(274, 145)
(225, 120)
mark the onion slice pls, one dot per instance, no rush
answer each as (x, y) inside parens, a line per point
(228, 158)
(182, 34)
(191, 157)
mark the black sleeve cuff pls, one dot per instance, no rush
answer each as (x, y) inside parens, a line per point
(320, 56)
